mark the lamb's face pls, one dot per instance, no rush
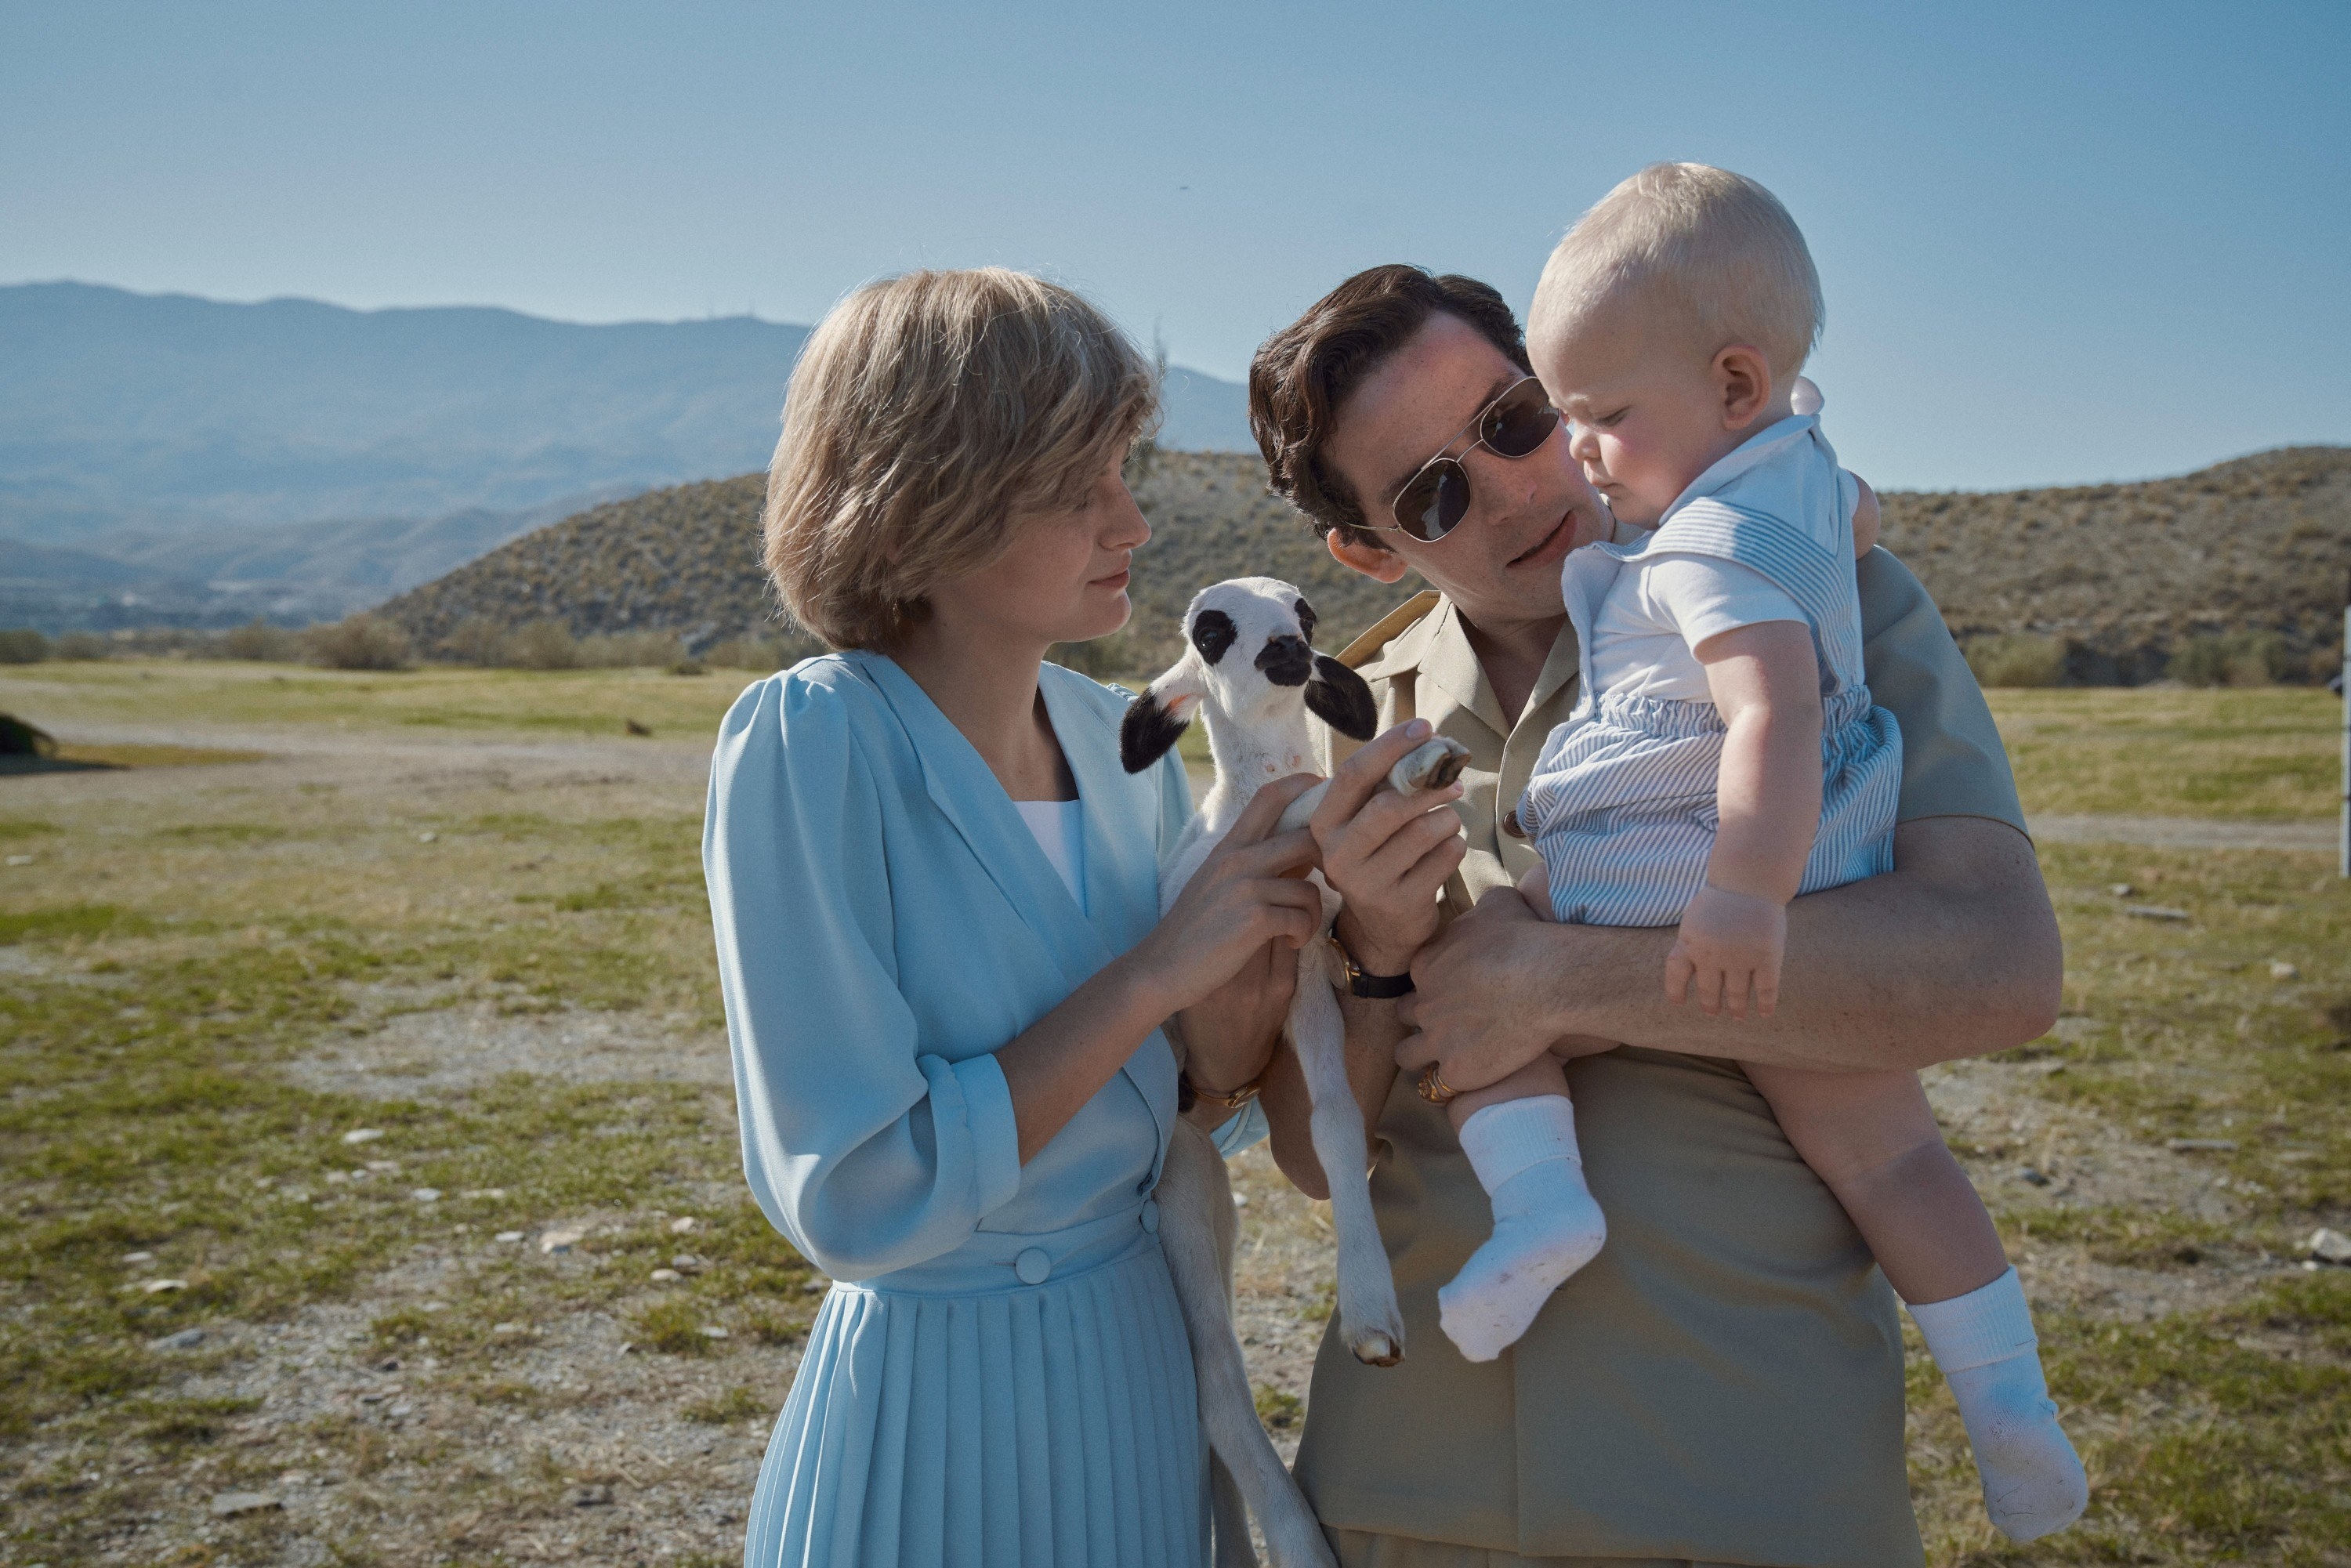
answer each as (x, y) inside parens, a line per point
(1255, 637)
(1252, 660)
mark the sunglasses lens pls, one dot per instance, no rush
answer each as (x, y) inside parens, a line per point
(1437, 499)
(1520, 421)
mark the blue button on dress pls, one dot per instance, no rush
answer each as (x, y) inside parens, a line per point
(999, 1375)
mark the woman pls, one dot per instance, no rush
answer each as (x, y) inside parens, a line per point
(935, 895)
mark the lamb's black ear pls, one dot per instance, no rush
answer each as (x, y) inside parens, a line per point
(1341, 699)
(1150, 727)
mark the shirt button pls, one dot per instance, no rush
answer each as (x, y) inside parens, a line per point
(1033, 1267)
(1151, 1215)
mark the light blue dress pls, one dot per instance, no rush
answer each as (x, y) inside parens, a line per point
(999, 1375)
(1621, 802)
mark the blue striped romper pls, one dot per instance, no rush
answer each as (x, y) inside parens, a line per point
(1622, 801)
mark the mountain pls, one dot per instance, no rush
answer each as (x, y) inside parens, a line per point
(175, 413)
(174, 435)
(2120, 575)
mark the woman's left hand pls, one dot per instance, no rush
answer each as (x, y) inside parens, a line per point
(1229, 1034)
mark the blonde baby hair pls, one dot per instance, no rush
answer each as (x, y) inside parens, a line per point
(923, 411)
(1714, 247)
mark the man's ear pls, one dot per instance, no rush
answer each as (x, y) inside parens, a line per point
(1356, 554)
(1341, 699)
(1163, 711)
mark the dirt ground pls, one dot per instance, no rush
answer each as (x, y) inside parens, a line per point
(352, 1427)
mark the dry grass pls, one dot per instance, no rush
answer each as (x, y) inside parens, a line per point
(457, 907)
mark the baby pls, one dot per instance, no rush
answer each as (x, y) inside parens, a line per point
(1725, 756)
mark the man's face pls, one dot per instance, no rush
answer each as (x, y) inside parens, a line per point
(1500, 564)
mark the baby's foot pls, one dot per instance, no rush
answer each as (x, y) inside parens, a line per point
(1547, 1225)
(2032, 1479)
(1983, 1340)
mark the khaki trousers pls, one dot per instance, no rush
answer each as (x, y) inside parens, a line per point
(1361, 1549)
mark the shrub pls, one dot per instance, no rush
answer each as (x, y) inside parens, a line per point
(2018, 659)
(1116, 654)
(543, 644)
(631, 651)
(82, 646)
(762, 654)
(24, 646)
(361, 641)
(476, 640)
(2232, 659)
(259, 641)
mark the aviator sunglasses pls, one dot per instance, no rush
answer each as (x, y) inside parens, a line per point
(1437, 498)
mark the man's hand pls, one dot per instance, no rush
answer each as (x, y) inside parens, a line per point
(1729, 943)
(1386, 854)
(1483, 1004)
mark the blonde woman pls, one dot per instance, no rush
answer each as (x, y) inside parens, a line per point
(935, 895)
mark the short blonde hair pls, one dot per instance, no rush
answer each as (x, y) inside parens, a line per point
(1713, 246)
(924, 411)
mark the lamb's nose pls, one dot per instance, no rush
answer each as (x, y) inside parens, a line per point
(1286, 661)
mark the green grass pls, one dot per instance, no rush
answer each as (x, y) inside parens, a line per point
(2214, 1434)
(2262, 753)
(553, 702)
(168, 960)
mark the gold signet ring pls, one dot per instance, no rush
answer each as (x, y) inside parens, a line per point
(1434, 1088)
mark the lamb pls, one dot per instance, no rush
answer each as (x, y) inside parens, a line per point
(1251, 669)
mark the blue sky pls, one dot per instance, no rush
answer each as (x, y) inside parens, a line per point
(2060, 243)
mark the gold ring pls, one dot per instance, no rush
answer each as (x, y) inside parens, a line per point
(1434, 1088)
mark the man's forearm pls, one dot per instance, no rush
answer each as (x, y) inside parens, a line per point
(1954, 954)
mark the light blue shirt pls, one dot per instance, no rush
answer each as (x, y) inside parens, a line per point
(886, 922)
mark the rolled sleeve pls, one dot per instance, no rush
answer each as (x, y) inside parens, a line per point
(1242, 1131)
(984, 1100)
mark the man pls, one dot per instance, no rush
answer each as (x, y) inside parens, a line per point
(1724, 1383)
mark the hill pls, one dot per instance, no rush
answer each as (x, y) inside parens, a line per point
(687, 560)
(2125, 573)
(2121, 573)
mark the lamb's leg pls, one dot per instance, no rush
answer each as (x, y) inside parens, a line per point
(1431, 765)
(1368, 1315)
(1194, 1196)
(1228, 1516)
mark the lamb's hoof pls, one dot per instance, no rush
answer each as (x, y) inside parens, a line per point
(1432, 765)
(1374, 1348)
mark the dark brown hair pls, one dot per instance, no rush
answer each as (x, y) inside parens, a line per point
(1303, 373)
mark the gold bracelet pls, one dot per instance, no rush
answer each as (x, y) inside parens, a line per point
(1232, 1101)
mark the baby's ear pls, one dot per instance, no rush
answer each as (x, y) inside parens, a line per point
(1163, 711)
(1341, 699)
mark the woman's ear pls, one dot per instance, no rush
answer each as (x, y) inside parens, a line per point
(1356, 554)
(1156, 719)
(1341, 699)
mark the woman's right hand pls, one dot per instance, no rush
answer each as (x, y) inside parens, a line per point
(1248, 892)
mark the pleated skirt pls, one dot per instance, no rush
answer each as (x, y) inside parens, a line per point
(1019, 1428)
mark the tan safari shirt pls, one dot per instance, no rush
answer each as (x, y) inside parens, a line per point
(1724, 1383)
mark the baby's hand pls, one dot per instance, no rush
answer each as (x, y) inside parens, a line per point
(1729, 942)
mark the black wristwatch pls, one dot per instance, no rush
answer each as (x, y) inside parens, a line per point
(1371, 988)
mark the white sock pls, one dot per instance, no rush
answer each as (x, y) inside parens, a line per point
(1983, 1340)
(1546, 1222)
